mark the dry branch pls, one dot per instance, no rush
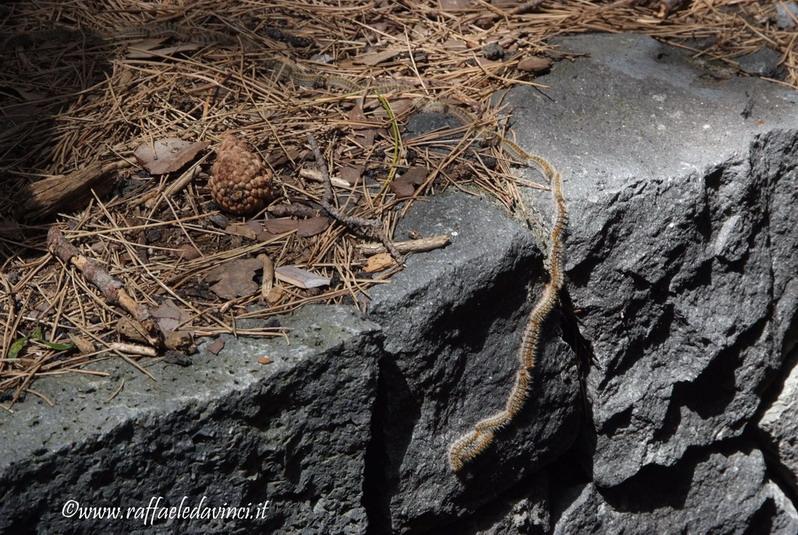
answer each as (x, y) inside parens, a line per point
(410, 246)
(112, 289)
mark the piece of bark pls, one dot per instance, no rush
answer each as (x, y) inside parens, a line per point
(216, 346)
(63, 193)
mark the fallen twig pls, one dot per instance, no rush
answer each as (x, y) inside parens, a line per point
(409, 246)
(111, 288)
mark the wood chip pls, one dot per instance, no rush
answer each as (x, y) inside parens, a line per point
(379, 262)
(409, 246)
(534, 64)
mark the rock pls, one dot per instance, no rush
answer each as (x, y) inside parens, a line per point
(763, 62)
(527, 512)
(446, 367)
(228, 429)
(786, 15)
(493, 51)
(715, 494)
(779, 424)
(682, 242)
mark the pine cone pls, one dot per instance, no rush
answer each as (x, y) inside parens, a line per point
(239, 182)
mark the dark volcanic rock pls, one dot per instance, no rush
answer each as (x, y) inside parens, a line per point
(715, 494)
(293, 432)
(452, 324)
(682, 249)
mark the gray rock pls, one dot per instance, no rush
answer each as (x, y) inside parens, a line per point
(714, 494)
(780, 427)
(763, 62)
(682, 241)
(526, 512)
(786, 15)
(227, 429)
(452, 323)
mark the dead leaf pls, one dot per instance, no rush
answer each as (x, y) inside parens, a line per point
(264, 360)
(299, 277)
(234, 279)
(84, 345)
(416, 175)
(379, 262)
(312, 226)
(251, 229)
(274, 295)
(402, 189)
(216, 346)
(167, 155)
(405, 185)
(169, 316)
(351, 173)
(187, 252)
(365, 138)
(304, 227)
(280, 225)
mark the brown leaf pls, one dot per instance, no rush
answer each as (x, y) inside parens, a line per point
(365, 138)
(312, 226)
(167, 155)
(83, 344)
(416, 175)
(250, 229)
(280, 225)
(234, 279)
(216, 346)
(351, 173)
(187, 252)
(299, 277)
(304, 227)
(402, 189)
(405, 185)
(379, 262)
(169, 315)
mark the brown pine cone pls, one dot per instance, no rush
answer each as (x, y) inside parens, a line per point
(240, 183)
